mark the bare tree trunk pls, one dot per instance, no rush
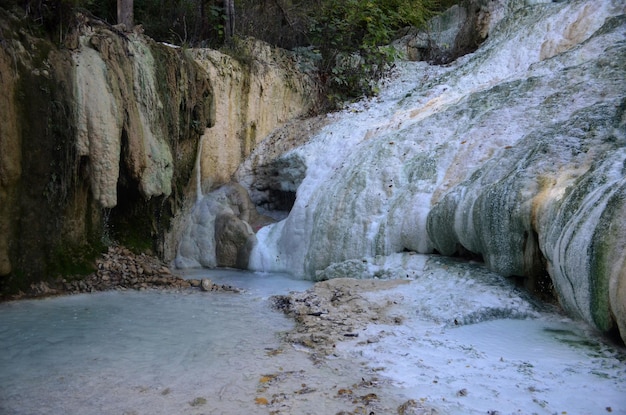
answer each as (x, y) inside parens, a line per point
(125, 13)
(229, 26)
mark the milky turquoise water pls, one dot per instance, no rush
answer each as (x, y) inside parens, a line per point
(194, 352)
(140, 352)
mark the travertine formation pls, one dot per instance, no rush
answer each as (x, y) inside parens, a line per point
(102, 132)
(513, 155)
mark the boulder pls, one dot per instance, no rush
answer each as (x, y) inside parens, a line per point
(219, 231)
(234, 239)
(457, 31)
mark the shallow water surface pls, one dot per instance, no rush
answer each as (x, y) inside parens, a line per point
(141, 352)
(193, 352)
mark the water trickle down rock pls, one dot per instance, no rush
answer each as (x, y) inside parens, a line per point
(256, 93)
(218, 231)
(514, 153)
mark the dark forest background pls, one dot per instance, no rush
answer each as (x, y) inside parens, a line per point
(345, 38)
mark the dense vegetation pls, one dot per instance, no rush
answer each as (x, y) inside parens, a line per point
(346, 38)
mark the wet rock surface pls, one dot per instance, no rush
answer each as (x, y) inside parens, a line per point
(288, 392)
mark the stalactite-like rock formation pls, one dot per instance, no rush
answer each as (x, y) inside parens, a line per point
(100, 135)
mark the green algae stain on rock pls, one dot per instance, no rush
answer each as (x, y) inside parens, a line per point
(608, 266)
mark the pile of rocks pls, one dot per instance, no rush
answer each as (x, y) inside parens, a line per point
(335, 310)
(121, 269)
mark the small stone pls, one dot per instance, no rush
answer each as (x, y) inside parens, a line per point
(198, 402)
(207, 284)
(343, 392)
(369, 398)
(261, 401)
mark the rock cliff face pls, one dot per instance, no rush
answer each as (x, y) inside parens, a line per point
(514, 154)
(253, 95)
(101, 131)
(99, 142)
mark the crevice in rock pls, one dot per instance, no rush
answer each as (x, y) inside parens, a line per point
(274, 187)
(537, 281)
(280, 200)
(465, 253)
(130, 220)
